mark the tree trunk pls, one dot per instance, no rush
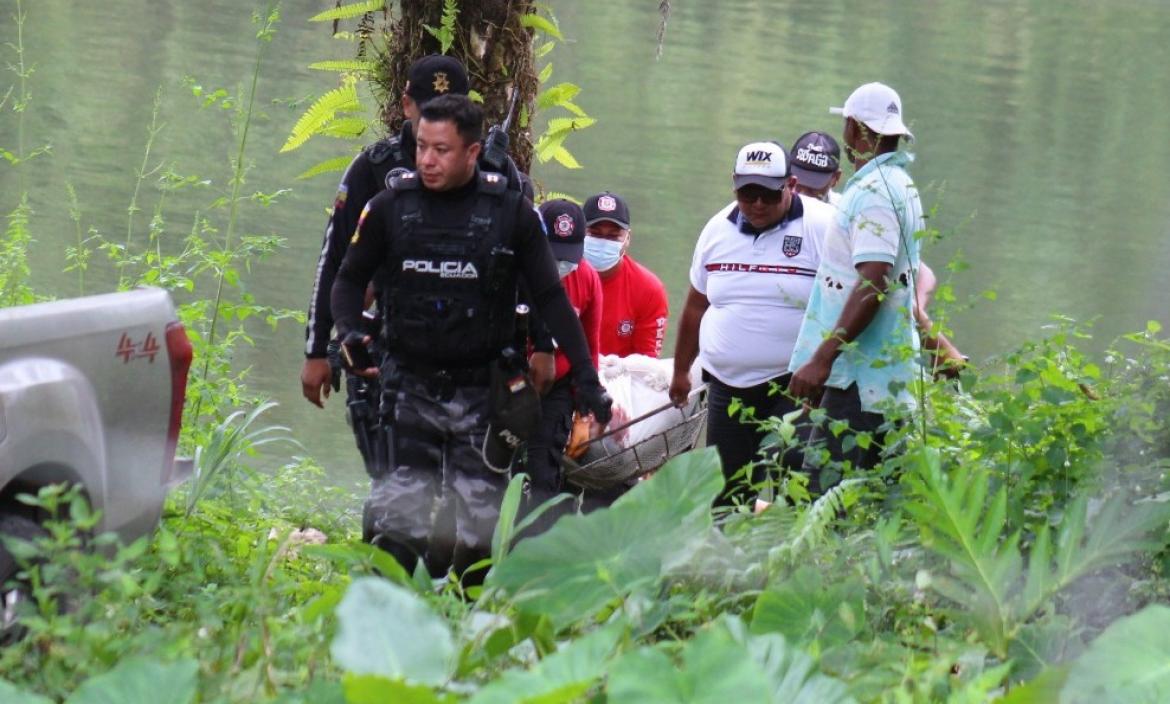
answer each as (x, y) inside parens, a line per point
(490, 41)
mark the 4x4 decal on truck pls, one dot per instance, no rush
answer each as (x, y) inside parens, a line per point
(128, 349)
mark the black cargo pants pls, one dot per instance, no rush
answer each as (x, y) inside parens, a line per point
(438, 501)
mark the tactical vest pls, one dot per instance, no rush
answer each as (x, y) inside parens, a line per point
(449, 293)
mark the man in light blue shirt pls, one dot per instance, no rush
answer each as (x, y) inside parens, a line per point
(856, 353)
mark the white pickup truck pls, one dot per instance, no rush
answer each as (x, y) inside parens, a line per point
(91, 393)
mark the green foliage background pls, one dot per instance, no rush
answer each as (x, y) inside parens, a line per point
(1013, 545)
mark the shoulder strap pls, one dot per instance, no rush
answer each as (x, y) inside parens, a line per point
(407, 202)
(492, 186)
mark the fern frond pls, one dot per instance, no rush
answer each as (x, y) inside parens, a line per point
(538, 22)
(346, 12)
(345, 128)
(813, 526)
(559, 94)
(357, 65)
(554, 195)
(344, 98)
(565, 158)
(445, 34)
(336, 164)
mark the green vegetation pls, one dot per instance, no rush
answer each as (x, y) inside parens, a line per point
(975, 569)
(1013, 545)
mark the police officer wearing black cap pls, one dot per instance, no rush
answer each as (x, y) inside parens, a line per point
(429, 77)
(366, 176)
(450, 245)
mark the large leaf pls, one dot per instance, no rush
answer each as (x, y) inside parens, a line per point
(562, 676)
(584, 561)
(792, 675)
(988, 581)
(140, 681)
(388, 631)
(371, 689)
(320, 692)
(1128, 663)
(1045, 689)
(805, 610)
(10, 694)
(723, 663)
(957, 522)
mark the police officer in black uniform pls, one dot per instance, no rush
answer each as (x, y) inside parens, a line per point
(429, 77)
(450, 245)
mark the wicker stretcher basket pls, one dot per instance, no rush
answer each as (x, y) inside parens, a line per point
(626, 464)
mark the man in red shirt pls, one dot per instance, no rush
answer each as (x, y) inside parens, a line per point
(634, 312)
(565, 225)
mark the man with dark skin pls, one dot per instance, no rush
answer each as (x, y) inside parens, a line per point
(451, 245)
(815, 163)
(862, 306)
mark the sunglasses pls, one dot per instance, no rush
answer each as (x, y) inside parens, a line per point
(748, 196)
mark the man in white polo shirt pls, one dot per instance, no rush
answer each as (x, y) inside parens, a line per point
(751, 274)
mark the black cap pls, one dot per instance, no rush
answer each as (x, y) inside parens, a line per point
(607, 206)
(815, 158)
(434, 75)
(565, 224)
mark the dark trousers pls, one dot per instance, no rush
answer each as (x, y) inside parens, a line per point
(548, 440)
(843, 405)
(738, 442)
(545, 449)
(438, 502)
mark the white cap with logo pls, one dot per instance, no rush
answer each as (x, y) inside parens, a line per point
(879, 107)
(762, 164)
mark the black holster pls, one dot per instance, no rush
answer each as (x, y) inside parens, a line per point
(361, 412)
(515, 410)
(383, 434)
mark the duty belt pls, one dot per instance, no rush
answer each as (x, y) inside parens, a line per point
(478, 375)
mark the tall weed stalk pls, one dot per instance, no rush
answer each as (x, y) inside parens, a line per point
(267, 23)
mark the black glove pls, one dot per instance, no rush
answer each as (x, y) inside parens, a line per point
(355, 355)
(591, 396)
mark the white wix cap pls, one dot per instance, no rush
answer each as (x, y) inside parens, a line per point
(763, 164)
(878, 107)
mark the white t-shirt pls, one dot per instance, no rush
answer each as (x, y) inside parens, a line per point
(758, 287)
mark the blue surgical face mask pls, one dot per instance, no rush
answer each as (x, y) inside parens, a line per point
(602, 254)
(565, 268)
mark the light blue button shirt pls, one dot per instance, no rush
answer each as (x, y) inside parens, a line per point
(877, 219)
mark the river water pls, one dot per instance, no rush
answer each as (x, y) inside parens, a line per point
(1040, 139)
